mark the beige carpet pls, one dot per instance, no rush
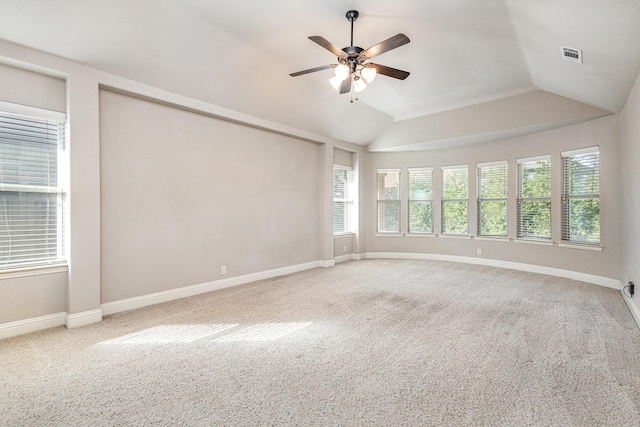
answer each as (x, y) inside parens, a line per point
(376, 342)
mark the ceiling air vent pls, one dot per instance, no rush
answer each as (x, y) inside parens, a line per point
(571, 54)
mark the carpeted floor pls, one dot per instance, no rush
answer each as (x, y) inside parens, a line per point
(375, 342)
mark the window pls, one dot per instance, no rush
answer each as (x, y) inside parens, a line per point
(388, 201)
(534, 198)
(342, 200)
(31, 200)
(455, 199)
(421, 200)
(581, 196)
(492, 198)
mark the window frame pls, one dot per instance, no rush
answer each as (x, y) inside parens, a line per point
(388, 201)
(482, 200)
(444, 201)
(412, 201)
(348, 201)
(567, 197)
(46, 119)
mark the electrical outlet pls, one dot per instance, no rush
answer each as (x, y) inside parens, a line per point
(632, 289)
(479, 251)
(344, 249)
(223, 270)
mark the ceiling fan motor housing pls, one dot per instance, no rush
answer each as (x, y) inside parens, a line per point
(353, 57)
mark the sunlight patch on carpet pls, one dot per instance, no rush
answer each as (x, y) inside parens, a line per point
(171, 334)
(263, 332)
(175, 334)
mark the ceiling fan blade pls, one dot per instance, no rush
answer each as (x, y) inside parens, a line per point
(313, 70)
(385, 46)
(328, 45)
(346, 86)
(389, 72)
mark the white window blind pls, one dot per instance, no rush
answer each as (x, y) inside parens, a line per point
(492, 198)
(534, 198)
(342, 199)
(455, 199)
(421, 200)
(581, 196)
(31, 200)
(388, 201)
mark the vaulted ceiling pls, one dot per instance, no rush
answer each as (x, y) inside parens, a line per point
(469, 60)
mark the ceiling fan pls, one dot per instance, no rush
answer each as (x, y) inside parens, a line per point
(352, 68)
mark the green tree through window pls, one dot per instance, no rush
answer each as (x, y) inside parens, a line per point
(492, 199)
(581, 197)
(421, 200)
(534, 198)
(455, 199)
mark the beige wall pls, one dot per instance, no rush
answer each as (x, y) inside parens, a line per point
(184, 194)
(32, 295)
(602, 132)
(342, 157)
(488, 121)
(25, 87)
(630, 171)
(28, 300)
(143, 218)
(343, 245)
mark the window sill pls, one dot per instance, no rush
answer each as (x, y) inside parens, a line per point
(378, 234)
(456, 236)
(534, 242)
(347, 234)
(420, 235)
(502, 239)
(33, 271)
(579, 246)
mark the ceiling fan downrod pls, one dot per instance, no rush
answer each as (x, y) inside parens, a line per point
(352, 15)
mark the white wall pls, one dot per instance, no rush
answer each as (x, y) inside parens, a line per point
(629, 168)
(602, 132)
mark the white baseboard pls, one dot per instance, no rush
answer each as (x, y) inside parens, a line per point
(83, 319)
(633, 308)
(34, 324)
(328, 263)
(567, 274)
(187, 291)
(343, 258)
(76, 320)
(348, 257)
(26, 326)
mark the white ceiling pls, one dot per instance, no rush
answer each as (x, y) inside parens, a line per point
(238, 54)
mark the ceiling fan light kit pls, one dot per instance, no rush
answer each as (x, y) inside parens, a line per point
(353, 72)
(342, 71)
(368, 74)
